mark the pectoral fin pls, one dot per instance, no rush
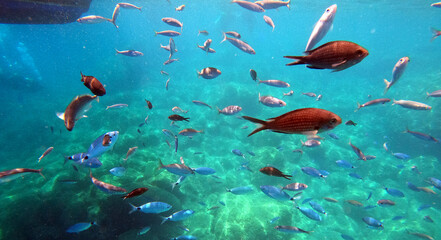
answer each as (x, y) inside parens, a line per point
(60, 115)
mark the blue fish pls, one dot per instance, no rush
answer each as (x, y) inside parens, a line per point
(394, 192)
(144, 230)
(344, 164)
(312, 172)
(251, 153)
(202, 203)
(401, 156)
(76, 157)
(184, 228)
(316, 206)
(369, 197)
(370, 207)
(204, 170)
(413, 187)
(118, 171)
(79, 227)
(306, 200)
(324, 172)
(238, 153)
(275, 192)
(334, 136)
(373, 222)
(185, 237)
(90, 163)
(272, 221)
(240, 190)
(355, 175)
(346, 237)
(222, 203)
(424, 206)
(179, 216)
(102, 144)
(151, 207)
(310, 213)
(435, 182)
(396, 218)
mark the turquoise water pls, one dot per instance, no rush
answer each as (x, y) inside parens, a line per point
(40, 74)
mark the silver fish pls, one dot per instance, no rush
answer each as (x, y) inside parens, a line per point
(249, 5)
(93, 19)
(168, 33)
(239, 44)
(271, 101)
(172, 22)
(129, 6)
(45, 153)
(397, 72)
(275, 83)
(273, 4)
(436, 93)
(130, 152)
(412, 105)
(321, 27)
(230, 110)
(269, 21)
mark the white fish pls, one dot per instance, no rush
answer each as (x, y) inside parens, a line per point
(119, 105)
(269, 21)
(115, 15)
(321, 27)
(129, 6)
(273, 4)
(249, 5)
(179, 110)
(398, 70)
(45, 153)
(412, 105)
(275, 83)
(271, 101)
(93, 19)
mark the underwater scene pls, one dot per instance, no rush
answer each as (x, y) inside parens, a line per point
(220, 120)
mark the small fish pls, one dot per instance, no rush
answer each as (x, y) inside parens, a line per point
(178, 169)
(385, 147)
(179, 216)
(180, 179)
(275, 193)
(176, 117)
(437, 5)
(12, 174)
(412, 187)
(385, 202)
(204, 170)
(213, 208)
(253, 74)
(238, 153)
(397, 72)
(271, 101)
(319, 97)
(350, 122)
(355, 203)
(144, 230)
(130, 152)
(396, 218)
(271, 171)
(151, 207)
(310, 213)
(139, 131)
(436, 93)
(166, 84)
(203, 32)
(274, 220)
(401, 156)
(130, 53)
(69, 181)
(91, 19)
(75, 110)
(424, 206)
(93, 84)
(322, 27)
(170, 61)
(412, 105)
(346, 237)
(298, 151)
(149, 104)
(372, 102)
(119, 105)
(310, 94)
(201, 103)
(184, 228)
(316, 206)
(185, 237)
(129, 6)
(135, 192)
(79, 227)
(240, 190)
(422, 136)
(355, 175)
(291, 229)
(164, 73)
(369, 196)
(426, 190)
(310, 143)
(222, 203)
(230, 110)
(180, 8)
(275, 83)
(373, 222)
(333, 200)
(344, 164)
(209, 73)
(312, 172)
(273, 4)
(172, 22)
(269, 21)
(245, 47)
(118, 171)
(290, 93)
(394, 192)
(428, 219)
(168, 33)
(420, 235)
(307, 200)
(249, 5)
(106, 187)
(45, 153)
(101, 145)
(251, 153)
(357, 151)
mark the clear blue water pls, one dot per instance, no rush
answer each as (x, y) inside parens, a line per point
(40, 74)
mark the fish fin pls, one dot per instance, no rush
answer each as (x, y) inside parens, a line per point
(427, 95)
(134, 208)
(387, 86)
(358, 107)
(218, 110)
(435, 34)
(258, 121)
(336, 65)
(60, 115)
(393, 102)
(225, 37)
(259, 97)
(287, 4)
(160, 164)
(298, 58)
(310, 133)
(182, 160)
(312, 67)
(39, 171)
(164, 219)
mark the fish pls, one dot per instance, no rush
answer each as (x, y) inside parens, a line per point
(222, 203)
(275, 83)
(251, 153)
(436, 93)
(350, 122)
(180, 179)
(355, 175)
(206, 46)
(310, 94)
(275, 192)
(313, 172)
(311, 143)
(322, 27)
(185, 237)
(420, 235)
(178, 169)
(354, 203)
(373, 222)
(92, 19)
(346, 237)
(151, 207)
(179, 110)
(238, 153)
(95, 86)
(311, 214)
(78, 159)
(172, 22)
(115, 15)
(119, 105)
(317, 207)
(184, 228)
(271, 171)
(269, 21)
(274, 220)
(135, 192)
(253, 74)
(179, 216)
(428, 219)
(334, 136)
(49, 150)
(273, 4)
(167, 48)
(426, 190)
(176, 117)
(401, 156)
(240, 190)
(129, 6)
(203, 32)
(397, 72)
(319, 97)
(333, 200)
(290, 93)
(130, 53)
(101, 145)
(180, 8)
(344, 164)
(201, 103)
(189, 132)
(233, 34)
(271, 101)
(79, 227)
(249, 5)
(170, 61)
(372, 102)
(149, 104)
(385, 202)
(230, 110)
(144, 230)
(130, 152)
(386, 148)
(295, 187)
(357, 151)
(336, 55)
(106, 187)
(9, 175)
(213, 208)
(172, 47)
(424, 206)
(291, 229)
(209, 73)
(168, 33)
(437, 5)
(118, 171)
(396, 218)
(166, 84)
(204, 170)
(422, 136)
(164, 72)
(68, 181)
(74, 111)
(435, 182)
(307, 121)
(245, 47)
(394, 192)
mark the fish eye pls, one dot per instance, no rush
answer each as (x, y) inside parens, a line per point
(333, 121)
(327, 10)
(359, 52)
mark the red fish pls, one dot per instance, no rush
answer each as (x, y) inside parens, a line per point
(135, 192)
(274, 172)
(9, 175)
(308, 121)
(93, 84)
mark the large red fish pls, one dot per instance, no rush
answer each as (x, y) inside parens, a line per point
(308, 121)
(337, 55)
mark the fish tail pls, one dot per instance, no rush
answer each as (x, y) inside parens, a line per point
(387, 86)
(65, 160)
(39, 171)
(228, 190)
(218, 110)
(156, 33)
(258, 121)
(117, 51)
(259, 97)
(287, 4)
(434, 34)
(225, 37)
(358, 107)
(160, 164)
(427, 95)
(134, 208)
(393, 102)
(287, 177)
(164, 219)
(199, 73)
(298, 58)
